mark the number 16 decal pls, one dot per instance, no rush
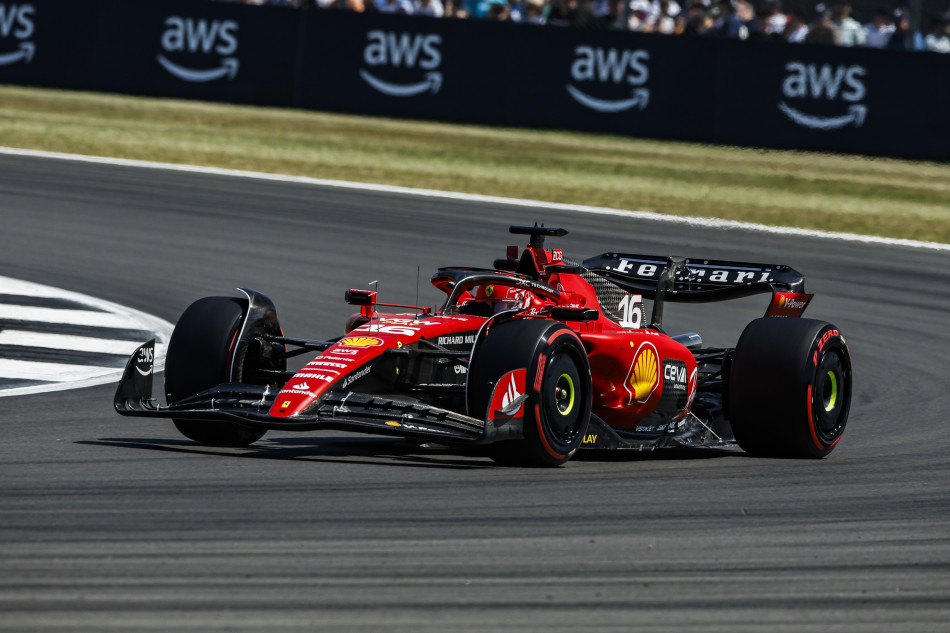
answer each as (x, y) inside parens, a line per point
(631, 310)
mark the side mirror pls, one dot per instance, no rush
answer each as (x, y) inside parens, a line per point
(360, 297)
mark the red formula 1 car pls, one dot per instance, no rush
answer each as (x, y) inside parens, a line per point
(535, 358)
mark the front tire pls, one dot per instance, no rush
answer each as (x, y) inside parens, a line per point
(557, 411)
(200, 354)
(790, 388)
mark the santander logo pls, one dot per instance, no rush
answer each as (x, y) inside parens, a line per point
(385, 49)
(213, 38)
(599, 67)
(16, 21)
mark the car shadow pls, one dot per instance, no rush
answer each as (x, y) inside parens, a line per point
(351, 450)
(388, 452)
(660, 454)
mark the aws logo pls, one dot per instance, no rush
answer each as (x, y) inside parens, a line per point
(611, 67)
(200, 37)
(819, 85)
(385, 49)
(16, 21)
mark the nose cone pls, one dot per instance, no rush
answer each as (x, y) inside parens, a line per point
(345, 358)
(298, 393)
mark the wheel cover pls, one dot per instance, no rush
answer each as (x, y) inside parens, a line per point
(561, 409)
(831, 394)
(829, 399)
(564, 394)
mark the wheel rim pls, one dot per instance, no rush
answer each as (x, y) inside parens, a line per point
(831, 391)
(562, 410)
(564, 394)
(829, 395)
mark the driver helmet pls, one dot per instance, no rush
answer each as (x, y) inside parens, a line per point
(499, 298)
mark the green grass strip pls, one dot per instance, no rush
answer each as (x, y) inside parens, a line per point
(875, 196)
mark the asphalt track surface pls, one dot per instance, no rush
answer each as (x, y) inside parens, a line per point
(110, 523)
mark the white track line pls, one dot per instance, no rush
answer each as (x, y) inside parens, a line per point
(63, 373)
(61, 376)
(448, 195)
(32, 314)
(68, 342)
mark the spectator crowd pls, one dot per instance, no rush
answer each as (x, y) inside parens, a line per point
(736, 19)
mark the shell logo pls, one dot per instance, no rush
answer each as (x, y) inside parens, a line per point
(644, 374)
(360, 341)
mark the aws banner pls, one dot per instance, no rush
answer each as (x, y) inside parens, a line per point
(505, 74)
(199, 50)
(833, 98)
(701, 89)
(36, 39)
(766, 94)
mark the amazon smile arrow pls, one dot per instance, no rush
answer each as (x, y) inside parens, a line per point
(856, 115)
(641, 97)
(228, 68)
(25, 54)
(432, 82)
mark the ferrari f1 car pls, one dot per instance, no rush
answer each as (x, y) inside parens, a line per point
(535, 358)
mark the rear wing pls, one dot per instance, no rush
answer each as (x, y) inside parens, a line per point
(685, 280)
(695, 280)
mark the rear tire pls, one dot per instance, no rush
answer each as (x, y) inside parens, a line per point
(790, 388)
(199, 357)
(557, 410)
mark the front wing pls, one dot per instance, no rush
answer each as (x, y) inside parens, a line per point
(249, 405)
